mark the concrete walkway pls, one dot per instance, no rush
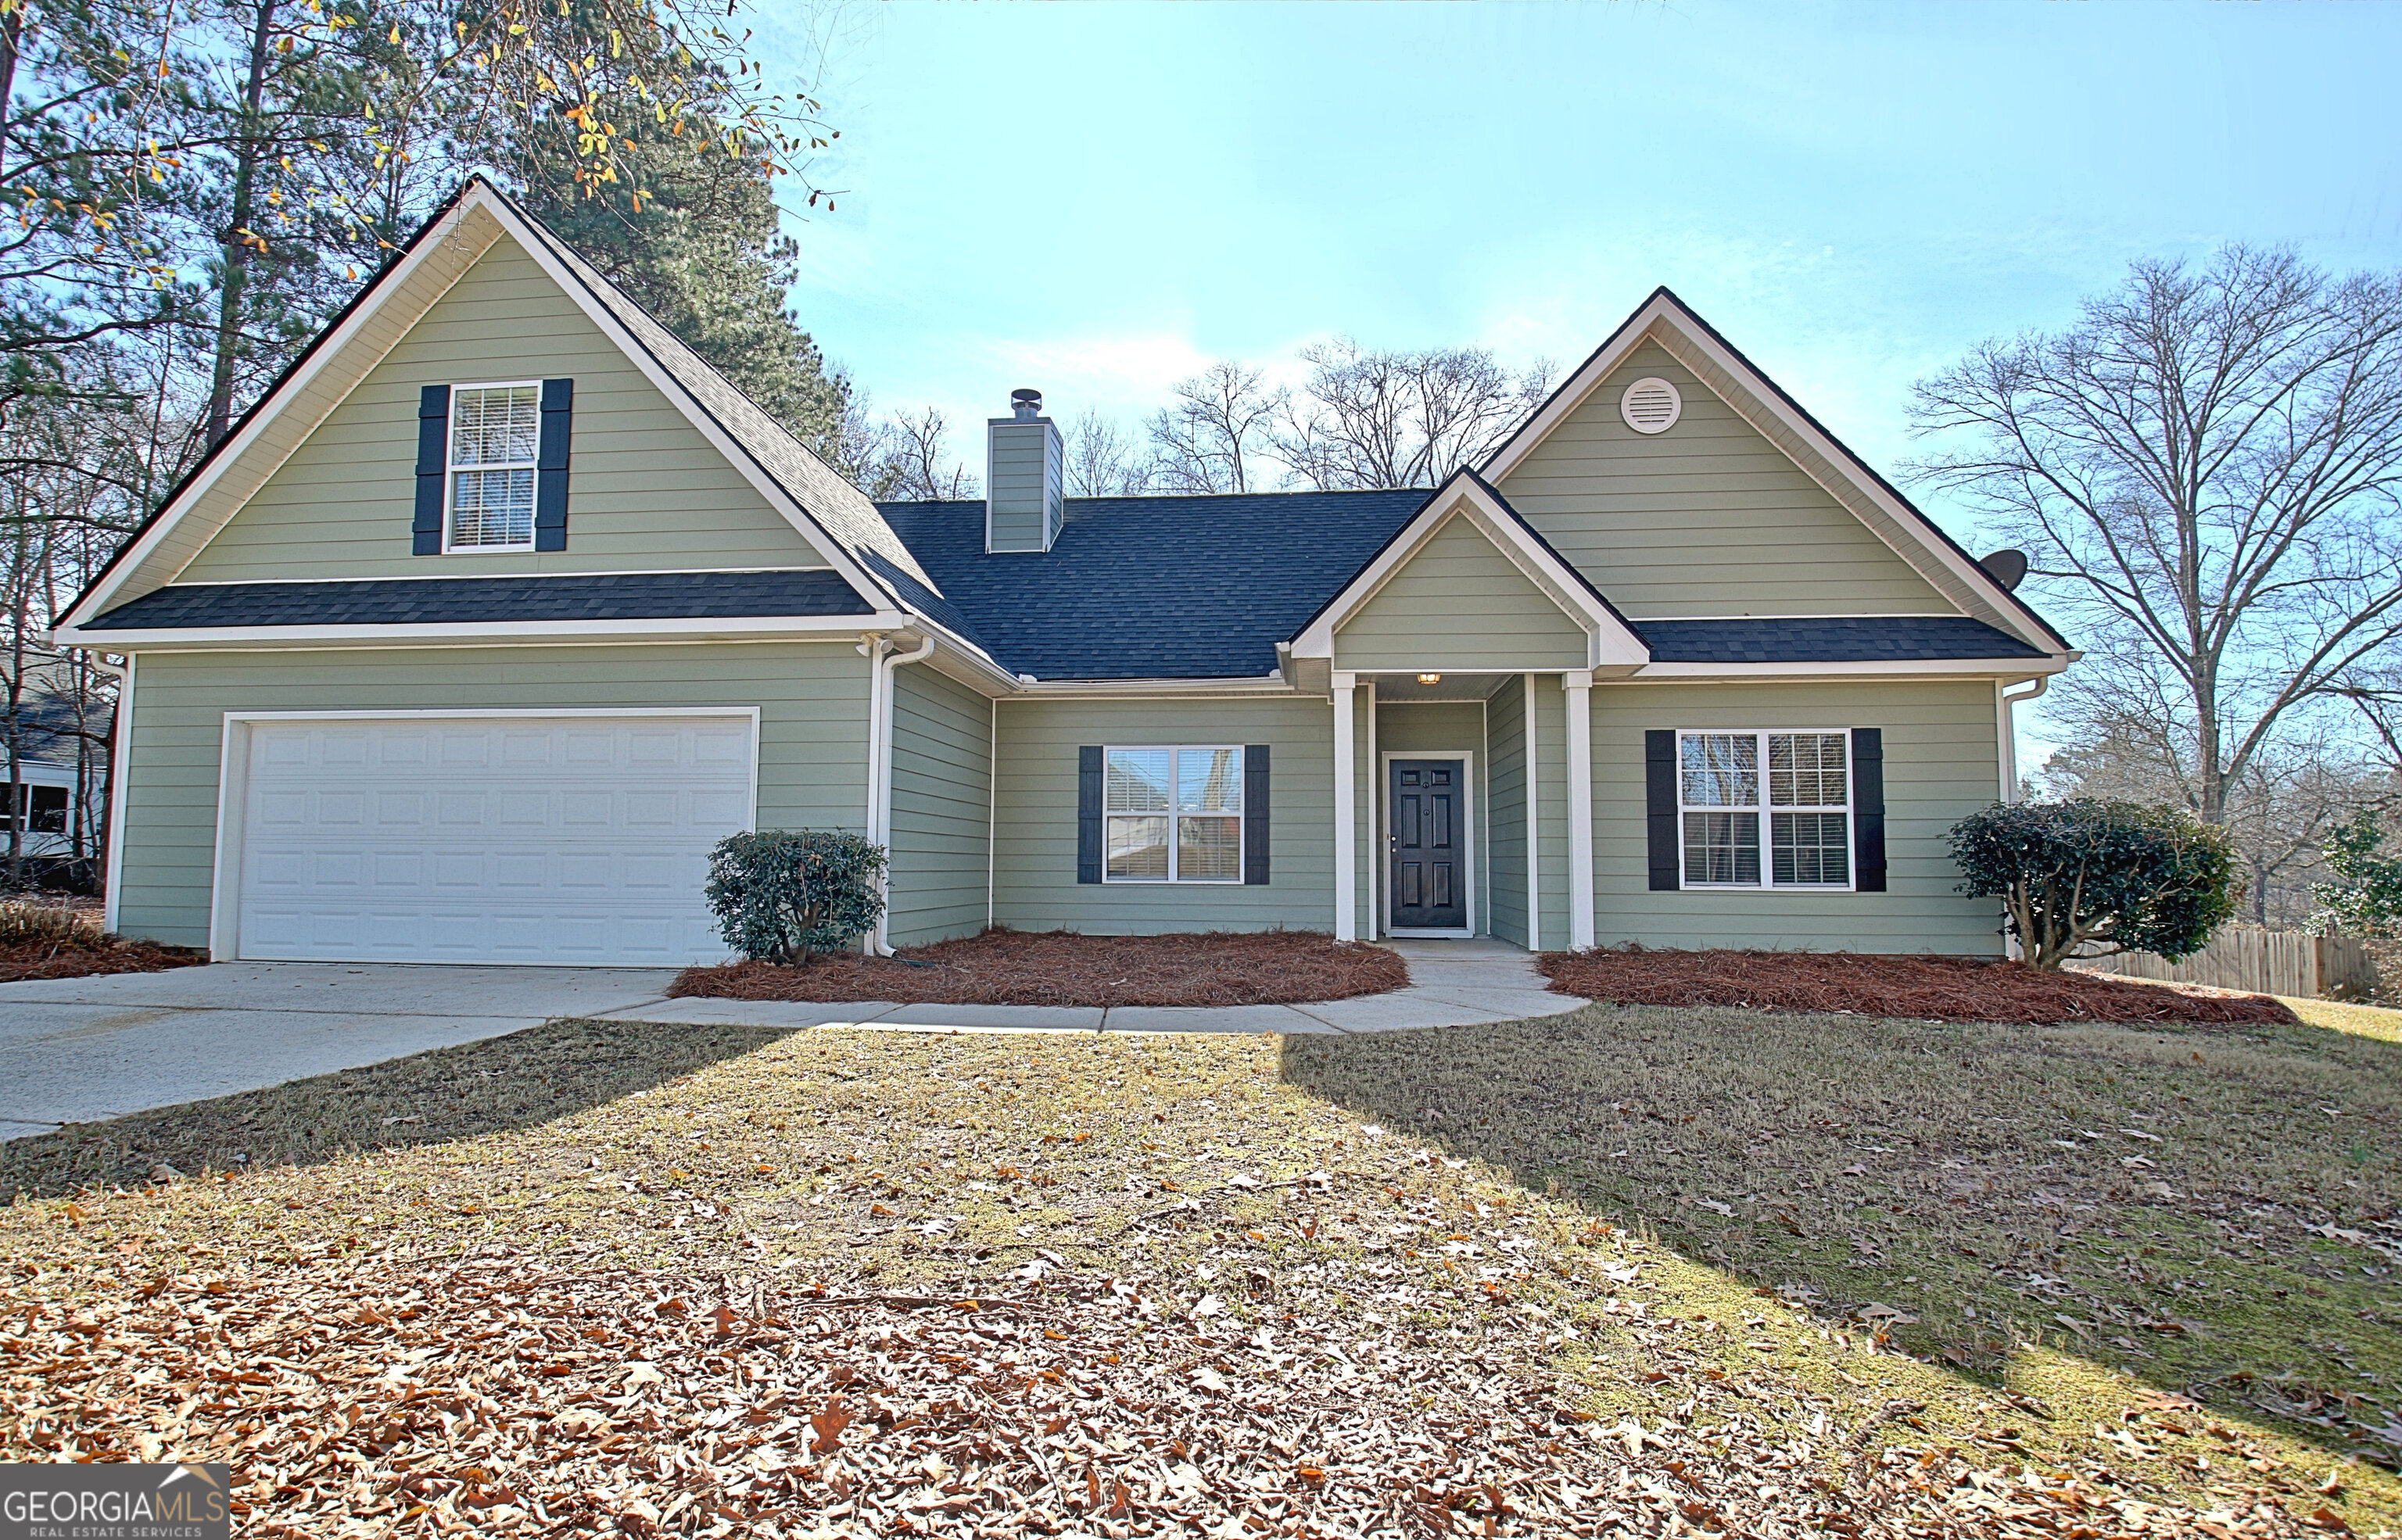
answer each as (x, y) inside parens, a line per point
(87, 1049)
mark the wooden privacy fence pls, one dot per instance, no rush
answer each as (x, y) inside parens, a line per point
(2265, 962)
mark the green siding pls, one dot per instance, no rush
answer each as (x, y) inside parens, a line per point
(646, 489)
(1707, 518)
(1505, 795)
(1940, 764)
(812, 748)
(1026, 467)
(1436, 727)
(1460, 604)
(942, 803)
(1552, 803)
(1035, 831)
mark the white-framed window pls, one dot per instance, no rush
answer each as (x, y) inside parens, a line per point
(1172, 814)
(495, 431)
(1733, 787)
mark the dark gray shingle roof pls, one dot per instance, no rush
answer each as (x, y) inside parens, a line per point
(1154, 587)
(1829, 638)
(421, 601)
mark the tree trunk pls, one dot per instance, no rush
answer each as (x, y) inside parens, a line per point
(250, 147)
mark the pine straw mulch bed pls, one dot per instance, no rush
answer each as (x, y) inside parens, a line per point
(842, 1282)
(81, 958)
(1064, 968)
(1947, 989)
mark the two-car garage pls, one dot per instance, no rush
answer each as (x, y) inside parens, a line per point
(529, 837)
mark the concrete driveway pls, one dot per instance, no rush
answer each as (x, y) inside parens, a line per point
(85, 1050)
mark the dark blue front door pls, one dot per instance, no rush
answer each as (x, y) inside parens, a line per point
(1429, 857)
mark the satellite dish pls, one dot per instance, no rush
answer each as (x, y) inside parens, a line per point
(2007, 568)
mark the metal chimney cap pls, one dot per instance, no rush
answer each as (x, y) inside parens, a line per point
(1027, 404)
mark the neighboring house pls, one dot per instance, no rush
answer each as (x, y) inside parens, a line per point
(62, 767)
(502, 607)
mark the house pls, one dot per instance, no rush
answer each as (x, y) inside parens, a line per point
(63, 775)
(502, 607)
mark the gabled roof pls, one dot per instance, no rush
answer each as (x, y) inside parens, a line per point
(1693, 342)
(1613, 642)
(453, 600)
(1830, 639)
(834, 516)
(1154, 587)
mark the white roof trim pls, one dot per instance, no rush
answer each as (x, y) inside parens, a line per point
(1609, 643)
(454, 238)
(1688, 340)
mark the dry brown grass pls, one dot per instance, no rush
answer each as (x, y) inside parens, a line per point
(1950, 989)
(1064, 968)
(56, 941)
(2208, 1210)
(1212, 1283)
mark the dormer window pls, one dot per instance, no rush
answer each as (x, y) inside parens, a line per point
(495, 432)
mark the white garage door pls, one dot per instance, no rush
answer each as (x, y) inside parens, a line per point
(488, 840)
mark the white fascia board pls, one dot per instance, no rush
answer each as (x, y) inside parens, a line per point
(2009, 668)
(1610, 643)
(491, 633)
(452, 238)
(1766, 410)
(803, 522)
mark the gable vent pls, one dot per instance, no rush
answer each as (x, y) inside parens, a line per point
(1652, 406)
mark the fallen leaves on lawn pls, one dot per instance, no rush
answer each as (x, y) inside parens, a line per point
(502, 1395)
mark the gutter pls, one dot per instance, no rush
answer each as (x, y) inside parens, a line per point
(2006, 727)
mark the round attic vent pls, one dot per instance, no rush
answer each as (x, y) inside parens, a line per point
(1651, 405)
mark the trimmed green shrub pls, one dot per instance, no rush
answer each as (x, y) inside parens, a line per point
(2087, 878)
(2367, 898)
(783, 895)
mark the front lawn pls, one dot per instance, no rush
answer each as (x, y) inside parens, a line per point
(705, 1280)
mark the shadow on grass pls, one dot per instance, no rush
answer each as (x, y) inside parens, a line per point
(2210, 1209)
(493, 1086)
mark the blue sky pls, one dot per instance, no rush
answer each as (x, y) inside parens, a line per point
(1094, 200)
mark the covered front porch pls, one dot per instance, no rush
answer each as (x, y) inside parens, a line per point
(1453, 812)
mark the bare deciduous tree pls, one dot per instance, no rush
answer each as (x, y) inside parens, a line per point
(1102, 462)
(2204, 467)
(1372, 419)
(1222, 420)
(909, 459)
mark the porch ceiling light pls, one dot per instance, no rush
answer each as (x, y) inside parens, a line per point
(1429, 679)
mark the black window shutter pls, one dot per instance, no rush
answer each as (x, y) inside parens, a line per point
(1868, 809)
(1660, 807)
(550, 465)
(433, 444)
(1088, 813)
(1255, 814)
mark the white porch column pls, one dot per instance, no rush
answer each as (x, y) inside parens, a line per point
(1346, 844)
(1533, 824)
(1578, 683)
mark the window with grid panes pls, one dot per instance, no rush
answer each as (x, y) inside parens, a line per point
(1173, 815)
(1794, 788)
(495, 431)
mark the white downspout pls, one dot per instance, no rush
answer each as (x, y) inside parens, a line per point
(2006, 727)
(879, 794)
(120, 766)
